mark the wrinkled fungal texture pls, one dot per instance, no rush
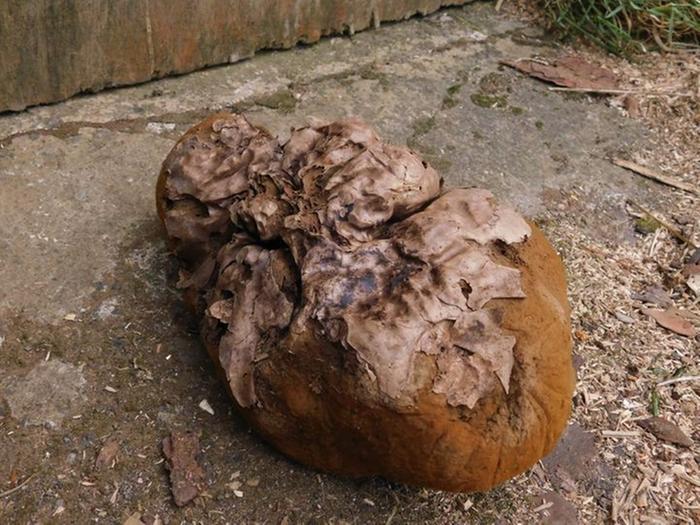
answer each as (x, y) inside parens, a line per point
(338, 232)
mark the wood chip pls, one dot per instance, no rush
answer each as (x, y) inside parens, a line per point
(670, 320)
(619, 433)
(679, 470)
(655, 175)
(665, 430)
(204, 405)
(187, 478)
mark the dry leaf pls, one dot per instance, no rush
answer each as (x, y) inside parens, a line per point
(134, 519)
(569, 71)
(186, 474)
(670, 320)
(665, 430)
(655, 295)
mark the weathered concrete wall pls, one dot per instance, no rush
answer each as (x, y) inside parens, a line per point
(52, 49)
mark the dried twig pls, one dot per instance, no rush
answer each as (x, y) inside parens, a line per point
(544, 506)
(671, 229)
(498, 5)
(656, 176)
(603, 91)
(619, 433)
(675, 380)
(15, 489)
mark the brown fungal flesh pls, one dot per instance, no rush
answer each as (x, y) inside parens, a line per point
(366, 321)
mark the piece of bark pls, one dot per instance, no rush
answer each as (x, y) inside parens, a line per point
(665, 430)
(670, 320)
(569, 71)
(186, 475)
(107, 453)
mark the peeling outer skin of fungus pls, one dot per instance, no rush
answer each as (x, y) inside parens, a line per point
(366, 321)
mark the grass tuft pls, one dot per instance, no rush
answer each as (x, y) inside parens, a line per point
(625, 27)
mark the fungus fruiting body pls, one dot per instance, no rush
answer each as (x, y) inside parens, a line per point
(365, 320)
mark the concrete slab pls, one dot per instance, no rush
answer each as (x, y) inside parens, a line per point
(84, 273)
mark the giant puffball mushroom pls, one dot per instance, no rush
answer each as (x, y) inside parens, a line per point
(366, 321)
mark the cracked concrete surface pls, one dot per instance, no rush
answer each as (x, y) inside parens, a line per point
(85, 275)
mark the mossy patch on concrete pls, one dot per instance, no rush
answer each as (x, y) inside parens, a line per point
(489, 101)
(450, 100)
(282, 100)
(646, 225)
(423, 125)
(495, 83)
(370, 72)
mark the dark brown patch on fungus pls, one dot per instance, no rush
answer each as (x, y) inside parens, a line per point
(365, 321)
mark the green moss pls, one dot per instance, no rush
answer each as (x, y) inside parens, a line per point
(489, 101)
(477, 135)
(423, 125)
(495, 83)
(515, 110)
(573, 95)
(449, 102)
(370, 72)
(454, 89)
(646, 225)
(282, 100)
(539, 124)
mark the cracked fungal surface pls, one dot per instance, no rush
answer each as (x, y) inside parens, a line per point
(336, 265)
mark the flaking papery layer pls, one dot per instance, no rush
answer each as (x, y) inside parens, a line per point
(341, 233)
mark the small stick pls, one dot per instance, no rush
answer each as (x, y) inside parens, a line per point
(544, 506)
(656, 176)
(498, 5)
(675, 380)
(15, 489)
(672, 230)
(614, 91)
(620, 433)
